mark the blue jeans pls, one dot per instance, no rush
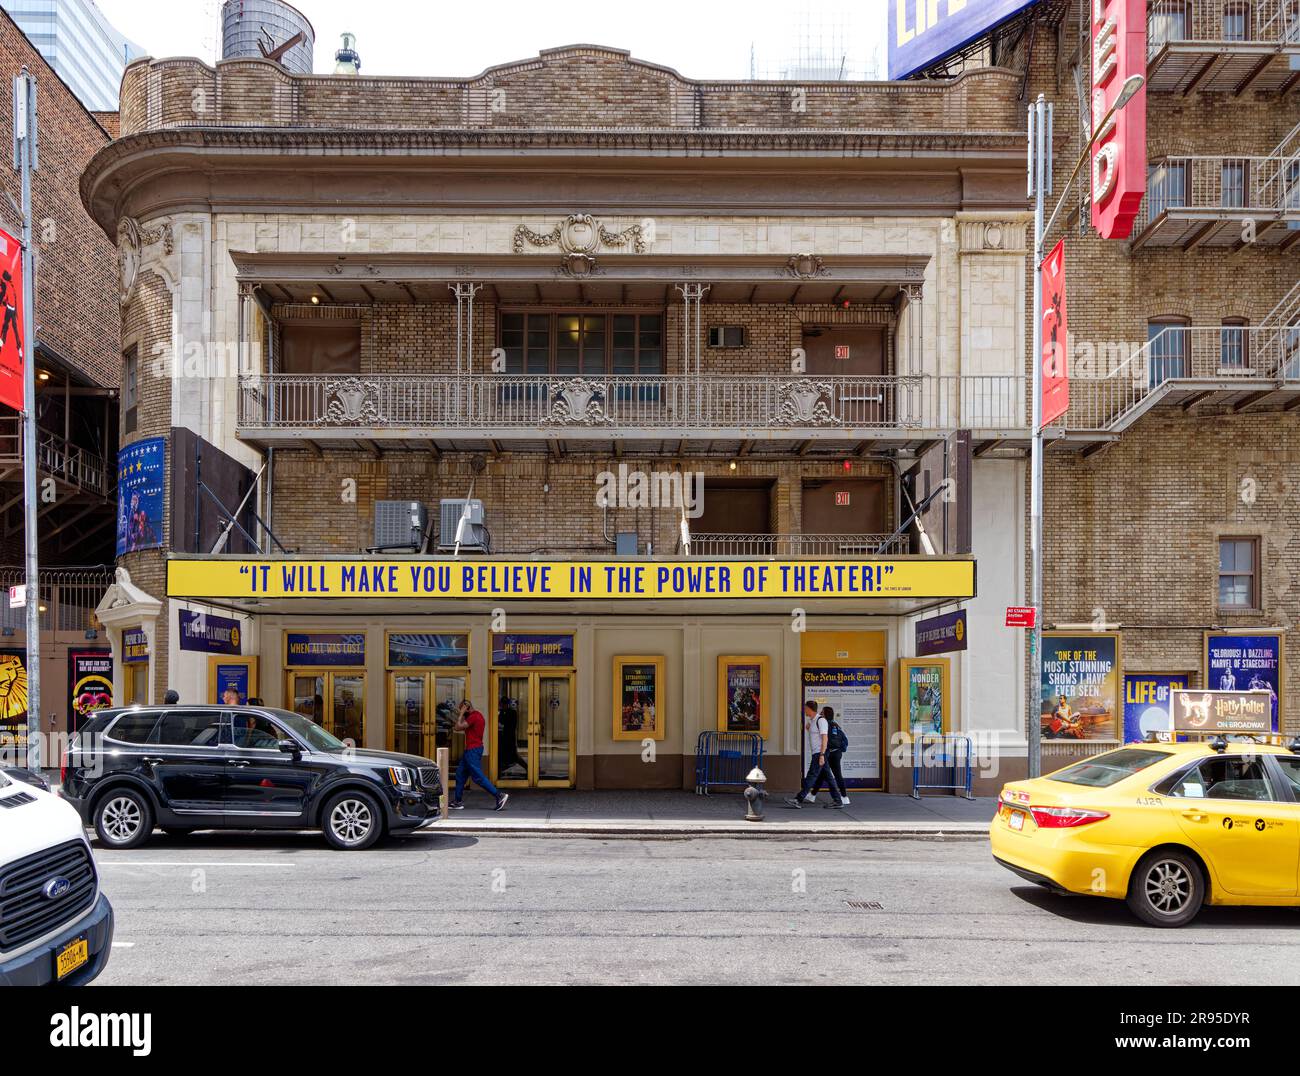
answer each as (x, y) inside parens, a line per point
(471, 768)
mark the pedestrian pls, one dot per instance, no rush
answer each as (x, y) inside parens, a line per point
(472, 723)
(816, 731)
(836, 744)
(172, 697)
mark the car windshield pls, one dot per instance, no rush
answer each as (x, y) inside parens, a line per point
(317, 738)
(1108, 769)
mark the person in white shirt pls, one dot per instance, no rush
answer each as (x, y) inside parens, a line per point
(816, 730)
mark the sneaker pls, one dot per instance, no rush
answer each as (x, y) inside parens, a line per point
(501, 801)
(833, 806)
(794, 801)
(455, 806)
(845, 801)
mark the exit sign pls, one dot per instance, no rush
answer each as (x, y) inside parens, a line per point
(1021, 616)
(842, 499)
(841, 351)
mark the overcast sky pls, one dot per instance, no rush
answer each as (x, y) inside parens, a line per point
(700, 38)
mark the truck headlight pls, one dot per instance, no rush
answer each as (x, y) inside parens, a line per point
(400, 776)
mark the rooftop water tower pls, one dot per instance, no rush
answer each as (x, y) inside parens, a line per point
(270, 29)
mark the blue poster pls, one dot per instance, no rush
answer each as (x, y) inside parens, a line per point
(324, 650)
(140, 473)
(414, 649)
(1146, 703)
(209, 634)
(1244, 663)
(922, 31)
(941, 634)
(554, 651)
(135, 646)
(232, 678)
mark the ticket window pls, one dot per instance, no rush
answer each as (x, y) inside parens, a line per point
(335, 700)
(422, 712)
(135, 686)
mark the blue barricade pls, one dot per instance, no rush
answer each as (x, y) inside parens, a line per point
(942, 762)
(724, 759)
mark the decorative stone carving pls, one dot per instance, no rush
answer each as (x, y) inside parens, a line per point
(804, 402)
(578, 402)
(132, 241)
(352, 402)
(579, 238)
(805, 267)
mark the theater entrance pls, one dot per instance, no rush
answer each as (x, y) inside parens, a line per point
(532, 743)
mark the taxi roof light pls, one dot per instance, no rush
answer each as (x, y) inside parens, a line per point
(1293, 745)
(1218, 745)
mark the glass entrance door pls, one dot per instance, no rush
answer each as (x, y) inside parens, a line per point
(334, 700)
(422, 713)
(533, 739)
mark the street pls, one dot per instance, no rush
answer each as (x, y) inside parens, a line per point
(282, 909)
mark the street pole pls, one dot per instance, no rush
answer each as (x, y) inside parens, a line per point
(1040, 178)
(26, 160)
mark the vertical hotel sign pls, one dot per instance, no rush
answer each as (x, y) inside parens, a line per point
(1119, 154)
(11, 321)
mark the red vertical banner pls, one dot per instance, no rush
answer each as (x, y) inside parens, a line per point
(11, 321)
(1119, 155)
(1054, 367)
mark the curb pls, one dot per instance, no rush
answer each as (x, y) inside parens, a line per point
(956, 831)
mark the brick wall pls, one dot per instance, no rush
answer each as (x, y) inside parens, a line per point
(76, 297)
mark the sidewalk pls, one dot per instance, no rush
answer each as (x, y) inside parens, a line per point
(540, 812)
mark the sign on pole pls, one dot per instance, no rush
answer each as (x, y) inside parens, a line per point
(11, 322)
(1053, 367)
(18, 596)
(1021, 616)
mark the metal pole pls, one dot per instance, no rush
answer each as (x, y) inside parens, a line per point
(26, 160)
(1039, 148)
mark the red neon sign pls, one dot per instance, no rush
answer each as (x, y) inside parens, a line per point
(1119, 155)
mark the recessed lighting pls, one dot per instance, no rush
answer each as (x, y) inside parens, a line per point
(43, 376)
(315, 300)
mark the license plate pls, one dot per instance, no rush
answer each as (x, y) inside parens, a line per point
(1016, 819)
(71, 957)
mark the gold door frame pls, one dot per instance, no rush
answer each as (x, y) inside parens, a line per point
(430, 676)
(534, 677)
(327, 674)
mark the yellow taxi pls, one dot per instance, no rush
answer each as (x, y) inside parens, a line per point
(1163, 826)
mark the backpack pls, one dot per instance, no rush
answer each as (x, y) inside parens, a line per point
(836, 740)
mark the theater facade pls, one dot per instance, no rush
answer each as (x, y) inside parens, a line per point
(629, 406)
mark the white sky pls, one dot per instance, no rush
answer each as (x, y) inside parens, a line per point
(700, 38)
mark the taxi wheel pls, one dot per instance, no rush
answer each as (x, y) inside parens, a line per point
(1167, 888)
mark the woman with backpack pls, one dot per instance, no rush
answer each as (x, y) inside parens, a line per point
(836, 744)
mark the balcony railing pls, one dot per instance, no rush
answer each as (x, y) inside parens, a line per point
(1203, 358)
(799, 545)
(409, 405)
(57, 457)
(1216, 22)
(68, 598)
(1221, 46)
(1184, 193)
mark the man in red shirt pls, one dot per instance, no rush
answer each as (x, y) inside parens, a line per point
(471, 723)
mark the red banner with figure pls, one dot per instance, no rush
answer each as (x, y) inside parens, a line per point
(11, 321)
(1055, 369)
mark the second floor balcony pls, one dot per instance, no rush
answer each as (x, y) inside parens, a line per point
(832, 413)
(1222, 46)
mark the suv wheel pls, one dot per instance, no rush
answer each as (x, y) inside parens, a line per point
(352, 821)
(123, 818)
(1167, 889)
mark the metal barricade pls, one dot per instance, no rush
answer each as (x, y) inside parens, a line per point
(724, 759)
(942, 762)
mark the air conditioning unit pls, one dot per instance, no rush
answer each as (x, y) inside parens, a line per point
(726, 336)
(473, 537)
(400, 525)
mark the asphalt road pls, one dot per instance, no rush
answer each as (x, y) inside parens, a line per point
(283, 909)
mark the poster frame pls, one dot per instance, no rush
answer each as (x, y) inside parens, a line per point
(1261, 633)
(1117, 717)
(658, 731)
(764, 689)
(945, 674)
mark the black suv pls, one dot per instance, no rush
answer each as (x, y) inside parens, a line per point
(184, 768)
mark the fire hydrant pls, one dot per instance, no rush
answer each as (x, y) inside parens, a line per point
(754, 795)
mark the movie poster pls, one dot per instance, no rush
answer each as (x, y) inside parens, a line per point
(744, 690)
(854, 694)
(1146, 703)
(90, 684)
(13, 707)
(1245, 663)
(1080, 686)
(636, 685)
(140, 495)
(923, 697)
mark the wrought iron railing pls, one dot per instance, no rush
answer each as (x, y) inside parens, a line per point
(1215, 22)
(1261, 185)
(409, 402)
(68, 598)
(798, 545)
(56, 456)
(1213, 353)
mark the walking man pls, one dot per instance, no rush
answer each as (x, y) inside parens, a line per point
(816, 731)
(471, 723)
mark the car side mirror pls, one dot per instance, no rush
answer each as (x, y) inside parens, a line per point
(288, 746)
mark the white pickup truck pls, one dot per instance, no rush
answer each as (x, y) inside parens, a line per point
(55, 925)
